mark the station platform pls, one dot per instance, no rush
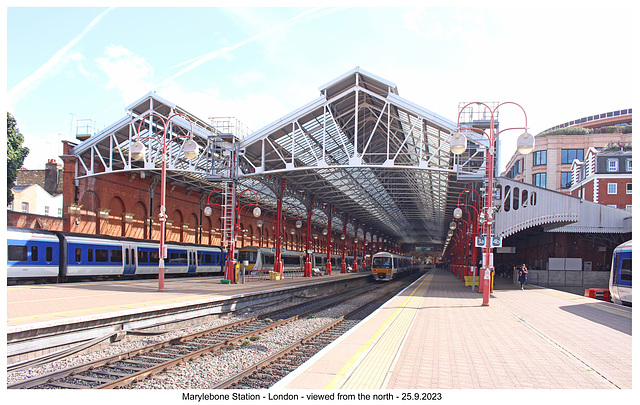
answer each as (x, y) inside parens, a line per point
(437, 335)
(31, 306)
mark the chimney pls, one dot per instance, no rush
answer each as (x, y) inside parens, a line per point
(51, 176)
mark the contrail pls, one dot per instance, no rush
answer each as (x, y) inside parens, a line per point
(30, 82)
(197, 61)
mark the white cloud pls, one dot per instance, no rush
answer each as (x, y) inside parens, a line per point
(130, 74)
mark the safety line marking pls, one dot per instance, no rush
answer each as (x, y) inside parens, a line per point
(376, 336)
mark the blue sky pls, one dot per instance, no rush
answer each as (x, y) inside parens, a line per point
(258, 64)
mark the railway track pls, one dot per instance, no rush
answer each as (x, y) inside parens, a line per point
(125, 368)
(271, 370)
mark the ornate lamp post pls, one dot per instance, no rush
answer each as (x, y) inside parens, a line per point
(189, 149)
(458, 146)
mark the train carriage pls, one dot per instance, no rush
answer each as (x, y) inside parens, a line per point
(32, 254)
(386, 266)
(621, 271)
(263, 259)
(39, 254)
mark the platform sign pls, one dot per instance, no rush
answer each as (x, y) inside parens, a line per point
(496, 241)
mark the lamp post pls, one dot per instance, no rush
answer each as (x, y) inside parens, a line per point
(457, 214)
(458, 146)
(190, 150)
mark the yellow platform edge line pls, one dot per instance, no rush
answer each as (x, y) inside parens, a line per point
(350, 363)
(380, 357)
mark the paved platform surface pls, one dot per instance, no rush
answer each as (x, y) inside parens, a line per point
(32, 305)
(437, 335)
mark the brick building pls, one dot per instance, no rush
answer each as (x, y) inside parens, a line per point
(549, 165)
(604, 177)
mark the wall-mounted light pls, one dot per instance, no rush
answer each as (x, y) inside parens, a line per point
(185, 227)
(168, 224)
(74, 209)
(103, 213)
(128, 217)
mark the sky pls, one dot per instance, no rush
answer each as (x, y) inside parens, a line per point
(257, 64)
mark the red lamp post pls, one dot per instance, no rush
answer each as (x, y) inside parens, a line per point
(458, 146)
(137, 150)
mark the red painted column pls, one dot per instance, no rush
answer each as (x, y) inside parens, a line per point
(307, 262)
(328, 264)
(277, 265)
(355, 249)
(343, 267)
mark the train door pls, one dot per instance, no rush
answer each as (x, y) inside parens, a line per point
(192, 263)
(130, 259)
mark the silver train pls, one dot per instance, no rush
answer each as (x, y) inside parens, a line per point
(263, 259)
(386, 266)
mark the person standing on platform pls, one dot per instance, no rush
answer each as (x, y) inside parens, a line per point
(522, 275)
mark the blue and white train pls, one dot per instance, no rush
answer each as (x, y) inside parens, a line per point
(61, 256)
(620, 279)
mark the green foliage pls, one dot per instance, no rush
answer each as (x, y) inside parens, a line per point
(566, 131)
(246, 342)
(255, 337)
(16, 153)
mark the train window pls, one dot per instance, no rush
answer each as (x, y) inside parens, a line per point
(625, 270)
(34, 253)
(291, 260)
(143, 256)
(90, 255)
(126, 256)
(133, 256)
(382, 262)
(116, 256)
(248, 256)
(78, 255)
(17, 253)
(154, 256)
(48, 254)
(268, 259)
(102, 255)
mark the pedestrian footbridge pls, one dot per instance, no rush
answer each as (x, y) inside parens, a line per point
(521, 206)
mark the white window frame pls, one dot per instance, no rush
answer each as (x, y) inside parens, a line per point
(628, 208)
(612, 188)
(628, 188)
(25, 207)
(628, 165)
(612, 165)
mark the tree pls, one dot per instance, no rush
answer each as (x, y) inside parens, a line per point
(15, 154)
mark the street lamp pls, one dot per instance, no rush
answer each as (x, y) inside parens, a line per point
(458, 145)
(189, 149)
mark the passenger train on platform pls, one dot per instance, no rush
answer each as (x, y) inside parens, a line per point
(620, 278)
(263, 259)
(386, 266)
(61, 256)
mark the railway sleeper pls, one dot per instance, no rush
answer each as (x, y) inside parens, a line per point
(92, 378)
(60, 384)
(111, 373)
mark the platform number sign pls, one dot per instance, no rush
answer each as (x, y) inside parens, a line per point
(496, 241)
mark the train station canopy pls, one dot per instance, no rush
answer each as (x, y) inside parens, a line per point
(359, 154)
